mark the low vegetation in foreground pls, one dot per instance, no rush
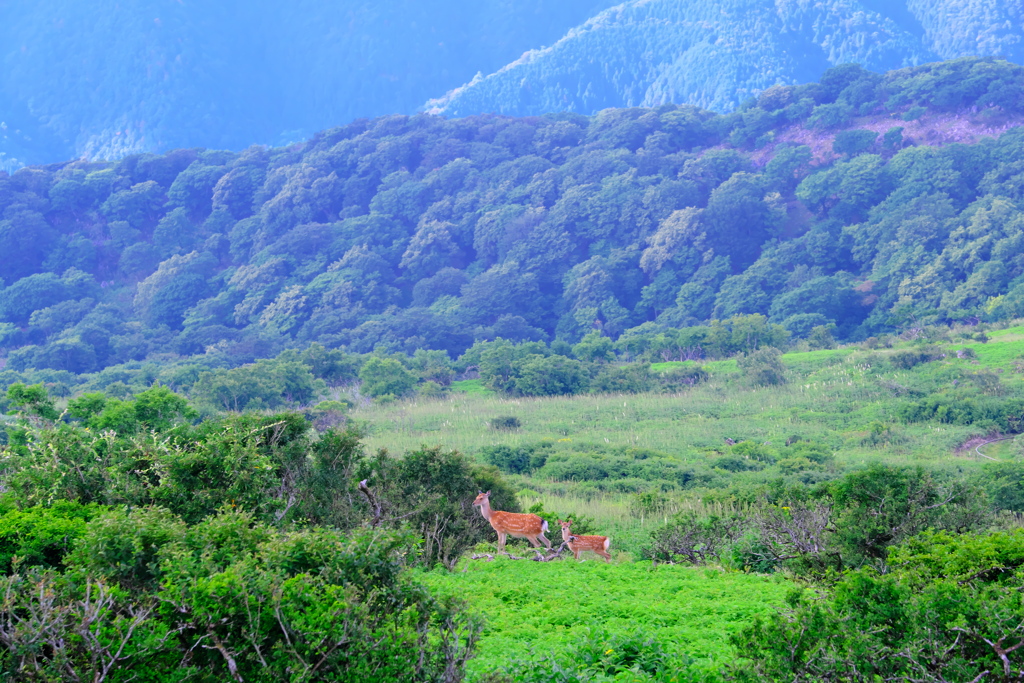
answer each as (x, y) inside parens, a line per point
(546, 617)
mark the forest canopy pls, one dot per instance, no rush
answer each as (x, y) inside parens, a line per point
(829, 205)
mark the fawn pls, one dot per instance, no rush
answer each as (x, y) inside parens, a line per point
(577, 544)
(530, 527)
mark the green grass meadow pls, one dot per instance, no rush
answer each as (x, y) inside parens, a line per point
(832, 396)
(535, 609)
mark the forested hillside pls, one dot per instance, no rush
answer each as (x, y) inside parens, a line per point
(716, 54)
(104, 79)
(863, 204)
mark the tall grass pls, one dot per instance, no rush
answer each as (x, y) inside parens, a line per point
(834, 402)
(837, 397)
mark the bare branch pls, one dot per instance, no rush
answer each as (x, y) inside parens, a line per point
(219, 646)
(372, 500)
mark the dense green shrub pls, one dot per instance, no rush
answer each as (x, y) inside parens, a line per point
(385, 377)
(266, 384)
(686, 376)
(763, 367)
(633, 378)
(908, 358)
(695, 539)
(505, 423)
(269, 465)
(620, 469)
(552, 376)
(881, 506)
(964, 410)
(1004, 482)
(599, 655)
(42, 536)
(517, 459)
(947, 607)
(432, 491)
(275, 603)
(853, 142)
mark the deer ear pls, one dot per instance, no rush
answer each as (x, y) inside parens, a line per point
(488, 493)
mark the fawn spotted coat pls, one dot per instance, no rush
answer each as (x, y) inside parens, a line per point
(577, 544)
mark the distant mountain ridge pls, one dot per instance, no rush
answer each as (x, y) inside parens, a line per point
(102, 79)
(105, 79)
(715, 54)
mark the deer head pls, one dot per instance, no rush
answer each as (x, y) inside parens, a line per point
(482, 499)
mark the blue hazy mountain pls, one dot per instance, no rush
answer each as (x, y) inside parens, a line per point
(717, 53)
(102, 78)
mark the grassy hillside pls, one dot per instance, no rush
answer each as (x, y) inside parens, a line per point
(627, 461)
(832, 395)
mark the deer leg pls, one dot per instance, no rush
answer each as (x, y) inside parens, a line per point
(501, 542)
(544, 538)
(533, 541)
(605, 555)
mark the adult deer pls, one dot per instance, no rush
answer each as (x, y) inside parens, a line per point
(530, 527)
(577, 544)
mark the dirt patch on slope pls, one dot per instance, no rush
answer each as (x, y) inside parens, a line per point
(933, 129)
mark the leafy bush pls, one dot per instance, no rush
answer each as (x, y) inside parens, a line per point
(964, 410)
(432, 491)
(42, 536)
(124, 546)
(552, 376)
(853, 142)
(684, 376)
(517, 459)
(828, 116)
(329, 414)
(617, 468)
(908, 358)
(1005, 484)
(505, 423)
(219, 580)
(694, 539)
(385, 376)
(732, 463)
(750, 450)
(944, 612)
(599, 655)
(268, 465)
(633, 378)
(763, 367)
(880, 506)
(647, 504)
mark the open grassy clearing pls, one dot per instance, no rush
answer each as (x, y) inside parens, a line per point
(841, 398)
(539, 608)
(832, 397)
